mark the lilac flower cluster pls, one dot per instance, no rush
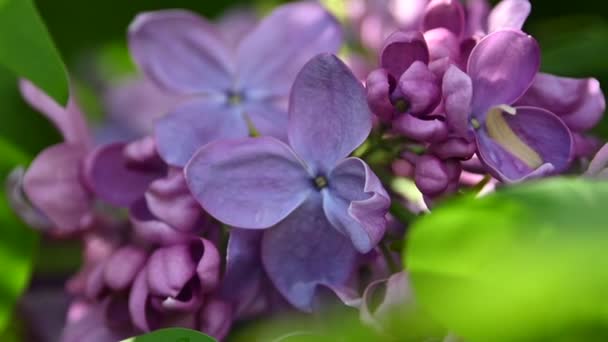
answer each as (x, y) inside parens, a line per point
(252, 195)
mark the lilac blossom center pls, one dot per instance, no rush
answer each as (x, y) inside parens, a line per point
(234, 97)
(320, 182)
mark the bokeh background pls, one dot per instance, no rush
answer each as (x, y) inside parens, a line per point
(90, 36)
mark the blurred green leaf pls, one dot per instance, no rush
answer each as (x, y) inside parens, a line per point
(525, 264)
(27, 50)
(172, 335)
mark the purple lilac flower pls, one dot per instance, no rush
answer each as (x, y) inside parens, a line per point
(229, 91)
(318, 207)
(56, 173)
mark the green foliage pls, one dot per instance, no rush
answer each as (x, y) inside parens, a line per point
(172, 335)
(525, 264)
(27, 49)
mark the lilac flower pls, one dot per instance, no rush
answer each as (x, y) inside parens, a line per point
(314, 204)
(229, 92)
(56, 172)
(515, 143)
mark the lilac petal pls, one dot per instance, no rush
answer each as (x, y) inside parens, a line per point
(432, 176)
(509, 14)
(250, 183)
(378, 88)
(305, 251)
(268, 117)
(91, 327)
(421, 130)
(194, 124)
(499, 77)
(270, 57)
(95, 286)
(69, 121)
(181, 52)
(216, 318)
(444, 13)
(139, 308)
(208, 268)
(114, 180)
(457, 96)
(401, 49)
(56, 173)
(235, 24)
(600, 163)
(356, 203)
(150, 229)
(541, 131)
(123, 266)
(477, 12)
(397, 292)
(580, 103)
(442, 43)
(18, 202)
(328, 115)
(170, 268)
(170, 200)
(454, 148)
(421, 88)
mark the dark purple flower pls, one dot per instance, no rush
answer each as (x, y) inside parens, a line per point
(228, 92)
(515, 143)
(314, 204)
(53, 182)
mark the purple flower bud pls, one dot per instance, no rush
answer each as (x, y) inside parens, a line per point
(432, 175)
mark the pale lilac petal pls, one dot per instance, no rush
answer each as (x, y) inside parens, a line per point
(502, 67)
(170, 200)
(299, 31)
(193, 124)
(216, 318)
(434, 130)
(396, 294)
(477, 12)
(148, 228)
(432, 176)
(249, 183)
(421, 88)
(235, 24)
(378, 88)
(457, 96)
(112, 178)
(181, 52)
(442, 43)
(356, 203)
(509, 14)
(56, 174)
(208, 268)
(543, 132)
(139, 309)
(401, 49)
(445, 13)
(123, 266)
(580, 103)
(454, 148)
(18, 202)
(305, 251)
(328, 114)
(269, 118)
(69, 120)
(599, 164)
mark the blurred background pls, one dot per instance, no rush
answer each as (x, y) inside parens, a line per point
(90, 36)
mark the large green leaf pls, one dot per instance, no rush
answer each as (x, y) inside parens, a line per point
(27, 50)
(172, 335)
(528, 263)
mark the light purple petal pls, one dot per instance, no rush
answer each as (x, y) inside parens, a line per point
(442, 43)
(69, 121)
(541, 131)
(215, 318)
(268, 117)
(114, 179)
(580, 103)
(56, 174)
(305, 251)
(123, 266)
(270, 57)
(457, 96)
(170, 200)
(502, 67)
(432, 176)
(139, 309)
(421, 88)
(378, 88)
(235, 24)
(509, 14)
(18, 202)
(193, 124)
(149, 229)
(454, 148)
(356, 203)
(599, 164)
(208, 268)
(445, 13)
(434, 130)
(477, 12)
(181, 52)
(249, 183)
(328, 114)
(401, 49)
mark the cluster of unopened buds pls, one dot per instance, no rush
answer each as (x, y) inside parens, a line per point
(254, 193)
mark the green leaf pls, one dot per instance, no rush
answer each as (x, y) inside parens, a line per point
(525, 264)
(27, 50)
(172, 335)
